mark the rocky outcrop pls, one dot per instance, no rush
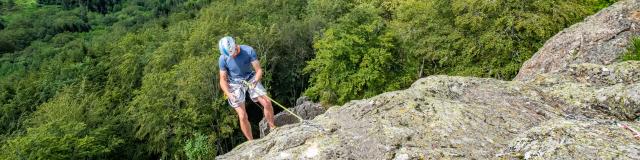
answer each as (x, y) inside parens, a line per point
(456, 117)
(568, 102)
(304, 108)
(573, 139)
(595, 91)
(601, 39)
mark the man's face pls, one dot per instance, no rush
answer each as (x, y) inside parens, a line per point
(235, 52)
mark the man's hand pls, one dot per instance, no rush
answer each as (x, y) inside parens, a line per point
(258, 76)
(224, 85)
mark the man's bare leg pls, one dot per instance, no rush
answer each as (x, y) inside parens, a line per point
(244, 121)
(268, 111)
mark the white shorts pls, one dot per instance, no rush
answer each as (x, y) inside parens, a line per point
(239, 91)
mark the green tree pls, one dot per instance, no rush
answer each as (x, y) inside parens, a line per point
(198, 148)
(479, 38)
(28, 25)
(355, 58)
(172, 105)
(67, 127)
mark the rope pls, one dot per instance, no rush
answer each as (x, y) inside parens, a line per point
(635, 133)
(304, 122)
(280, 105)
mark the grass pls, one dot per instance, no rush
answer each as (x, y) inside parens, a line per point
(633, 54)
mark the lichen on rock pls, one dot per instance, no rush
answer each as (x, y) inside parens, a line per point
(574, 139)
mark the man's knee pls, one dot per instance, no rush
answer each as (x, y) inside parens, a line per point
(268, 108)
(243, 116)
(265, 100)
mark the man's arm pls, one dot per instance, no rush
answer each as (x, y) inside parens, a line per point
(224, 85)
(258, 69)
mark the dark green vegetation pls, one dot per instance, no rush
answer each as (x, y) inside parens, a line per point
(634, 51)
(137, 79)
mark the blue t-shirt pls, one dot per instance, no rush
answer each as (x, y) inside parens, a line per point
(239, 67)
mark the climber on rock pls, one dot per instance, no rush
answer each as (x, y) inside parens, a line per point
(239, 64)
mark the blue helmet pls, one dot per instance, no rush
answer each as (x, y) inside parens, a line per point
(227, 46)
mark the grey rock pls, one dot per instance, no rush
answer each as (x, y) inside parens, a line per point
(307, 109)
(574, 139)
(588, 91)
(302, 100)
(624, 73)
(461, 118)
(600, 39)
(427, 120)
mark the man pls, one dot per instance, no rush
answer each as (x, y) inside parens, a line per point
(237, 77)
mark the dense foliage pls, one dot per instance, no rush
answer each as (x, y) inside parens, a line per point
(358, 52)
(407, 39)
(137, 79)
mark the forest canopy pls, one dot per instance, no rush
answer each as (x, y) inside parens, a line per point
(137, 79)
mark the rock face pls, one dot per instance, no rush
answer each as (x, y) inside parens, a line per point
(305, 108)
(464, 117)
(600, 39)
(567, 103)
(573, 139)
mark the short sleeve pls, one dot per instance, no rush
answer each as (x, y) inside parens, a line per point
(222, 64)
(253, 55)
